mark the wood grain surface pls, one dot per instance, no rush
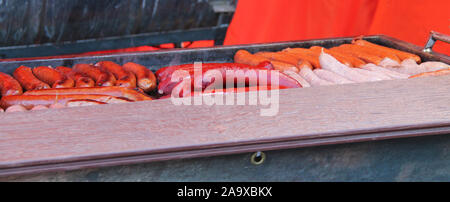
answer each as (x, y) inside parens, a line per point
(355, 112)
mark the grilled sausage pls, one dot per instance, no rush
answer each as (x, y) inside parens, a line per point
(53, 77)
(111, 90)
(124, 78)
(345, 59)
(357, 52)
(146, 80)
(29, 101)
(100, 77)
(401, 54)
(28, 81)
(303, 54)
(245, 57)
(9, 85)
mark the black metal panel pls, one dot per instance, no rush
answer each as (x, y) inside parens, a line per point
(71, 25)
(410, 159)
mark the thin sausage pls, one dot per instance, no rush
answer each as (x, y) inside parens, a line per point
(376, 51)
(80, 80)
(110, 90)
(355, 51)
(345, 59)
(304, 54)
(278, 56)
(25, 77)
(244, 57)
(83, 102)
(401, 54)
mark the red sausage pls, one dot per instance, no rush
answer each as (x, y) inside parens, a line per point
(124, 78)
(29, 101)
(9, 85)
(111, 90)
(100, 77)
(166, 86)
(28, 81)
(146, 80)
(79, 79)
(53, 77)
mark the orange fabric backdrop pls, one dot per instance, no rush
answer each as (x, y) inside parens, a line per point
(257, 21)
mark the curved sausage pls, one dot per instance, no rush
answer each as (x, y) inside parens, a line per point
(356, 52)
(28, 81)
(123, 78)
(79, 79)
(53, 77)
(146, 80)
(166, 85)
(278, 56)
(100, 77)
(345, 59)
(375, 51)
(111, 90)
(9, 85)
(245, 57)
(29, 101)
(303, 54)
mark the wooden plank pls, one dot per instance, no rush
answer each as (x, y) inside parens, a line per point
(159, 127)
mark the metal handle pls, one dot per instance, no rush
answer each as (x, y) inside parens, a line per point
(434, 36)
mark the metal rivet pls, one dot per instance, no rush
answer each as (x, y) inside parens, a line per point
(258, 158)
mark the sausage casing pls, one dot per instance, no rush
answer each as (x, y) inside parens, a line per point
(27, 79)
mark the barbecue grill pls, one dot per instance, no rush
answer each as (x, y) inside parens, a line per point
(376, 131)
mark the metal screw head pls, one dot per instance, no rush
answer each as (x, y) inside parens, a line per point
(258, 158)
